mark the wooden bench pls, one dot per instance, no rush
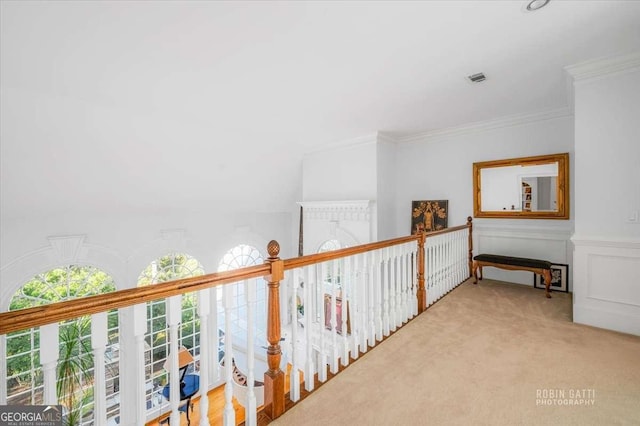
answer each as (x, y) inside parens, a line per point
(541, 267)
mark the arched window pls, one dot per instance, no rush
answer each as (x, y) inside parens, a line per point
(241, 256)
(330, 245)
(24, 372)
(329, 279)
(168, 268)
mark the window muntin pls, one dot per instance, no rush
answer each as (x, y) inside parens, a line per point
(24, 373)
(170, 267)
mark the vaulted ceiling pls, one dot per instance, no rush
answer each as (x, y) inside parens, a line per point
(153, 105)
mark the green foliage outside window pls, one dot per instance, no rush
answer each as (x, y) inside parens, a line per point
(23, 356)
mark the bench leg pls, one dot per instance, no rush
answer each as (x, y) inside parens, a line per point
(547, 282)
(476, 268)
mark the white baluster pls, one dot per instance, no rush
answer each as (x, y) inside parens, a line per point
(347, 285)
(49, 349)
(363, 291)
(406, 312)
(309, 314)
(429, 270)
(372, 297)
(397, 284)
(322, 355)
(294, 382)
(229, 416)
(385, 292)
(98, 345)
(215, 373)
(251, 408)
(335, 354)
(377, 284)
(357, 328)
(204, 308)
(414, 279)
(3, 371)
(174, 316)
(139, 331)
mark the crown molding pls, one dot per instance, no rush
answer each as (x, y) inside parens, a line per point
(601, 67)
(481, 126)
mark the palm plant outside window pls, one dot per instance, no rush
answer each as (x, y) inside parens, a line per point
(75, 364)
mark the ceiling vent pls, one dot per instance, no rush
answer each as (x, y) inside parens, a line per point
(477, 78)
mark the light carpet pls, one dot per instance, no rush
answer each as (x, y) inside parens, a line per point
(487, 354)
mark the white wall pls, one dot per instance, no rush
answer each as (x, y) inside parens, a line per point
(607, 198)
(342, 172)
(386, 182)
(436, 167)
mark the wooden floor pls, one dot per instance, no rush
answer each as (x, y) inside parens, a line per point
(216, 408)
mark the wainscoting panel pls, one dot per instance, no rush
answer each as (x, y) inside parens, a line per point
(544, 243)
(607, 288)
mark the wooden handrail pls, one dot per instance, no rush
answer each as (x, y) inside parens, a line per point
(21, 319)
(60, 311)
(310, 259)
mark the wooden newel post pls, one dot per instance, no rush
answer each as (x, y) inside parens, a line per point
(422, 292)
(470, 225)
(274, 377)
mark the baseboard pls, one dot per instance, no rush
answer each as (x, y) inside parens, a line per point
(601, 318)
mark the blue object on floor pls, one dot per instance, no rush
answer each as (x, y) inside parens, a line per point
(189, 386)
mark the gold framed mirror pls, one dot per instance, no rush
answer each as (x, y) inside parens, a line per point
(522, 188)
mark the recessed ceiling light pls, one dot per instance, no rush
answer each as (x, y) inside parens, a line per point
(477, 78)
(536, 5)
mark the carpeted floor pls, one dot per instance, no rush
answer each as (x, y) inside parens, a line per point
(487, 354)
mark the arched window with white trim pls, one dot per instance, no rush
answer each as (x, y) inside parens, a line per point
(170, 267)
(24, 373)
(241, 256)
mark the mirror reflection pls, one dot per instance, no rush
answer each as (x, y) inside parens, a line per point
(528, 187)
(524, 188)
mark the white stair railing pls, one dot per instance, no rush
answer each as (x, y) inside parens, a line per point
(349, 301)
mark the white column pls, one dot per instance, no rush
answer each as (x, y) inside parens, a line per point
(49, 352)
(174, 316)
(98, 345)
(204, 306)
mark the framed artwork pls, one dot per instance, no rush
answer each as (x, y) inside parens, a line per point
(429, 215)
(327, 314)
(559, 278)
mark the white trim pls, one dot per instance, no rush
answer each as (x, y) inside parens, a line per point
(531, 232)
(601, 317)
(480, 126)
(356, 210)
(601, 242)
(601, 67)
